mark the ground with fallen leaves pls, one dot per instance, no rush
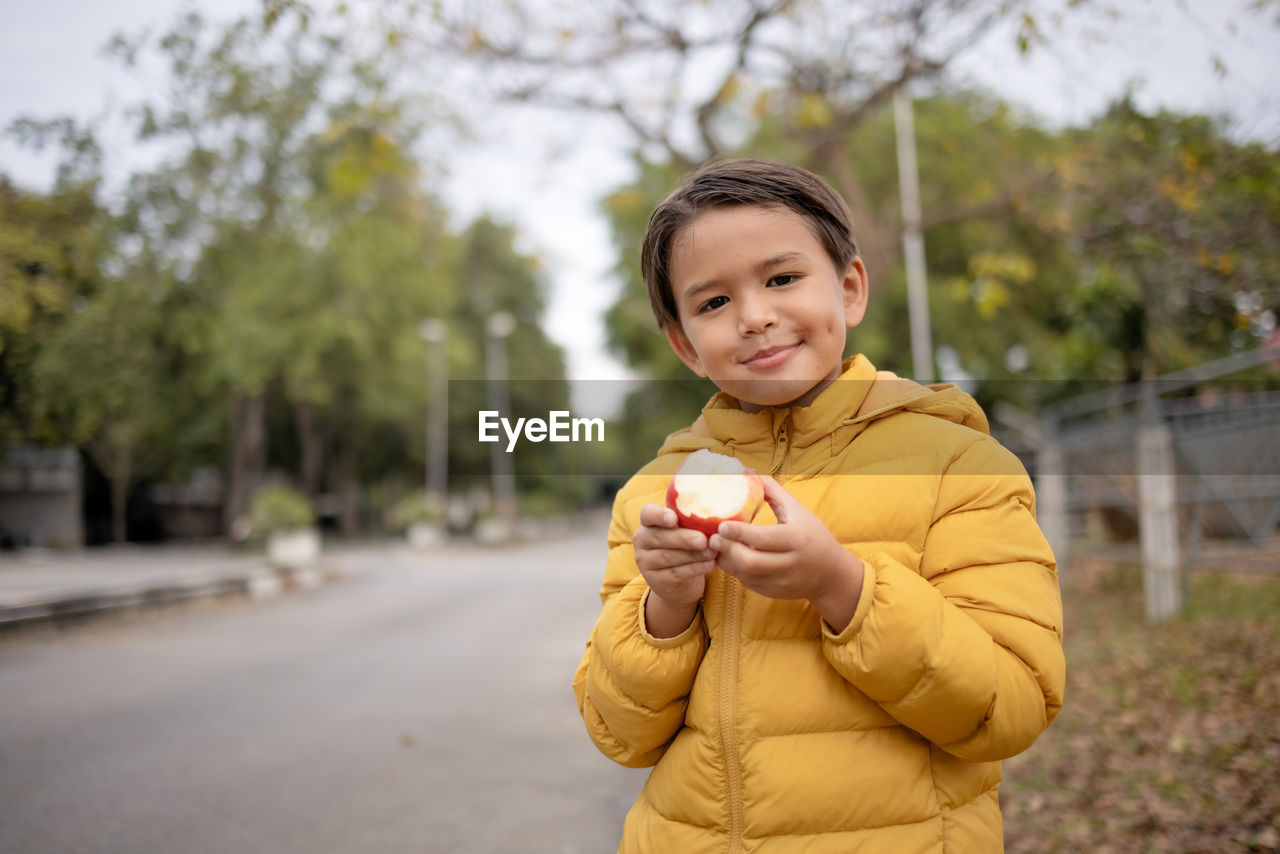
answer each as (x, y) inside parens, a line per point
(1169, 740)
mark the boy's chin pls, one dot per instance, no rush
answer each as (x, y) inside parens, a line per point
(758, 394)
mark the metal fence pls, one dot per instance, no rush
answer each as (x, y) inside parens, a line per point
(1177, 462)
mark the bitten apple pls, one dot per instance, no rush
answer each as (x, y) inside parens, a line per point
(710, 488)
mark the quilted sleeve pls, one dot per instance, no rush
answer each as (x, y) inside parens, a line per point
(967, 651)
(632, 688)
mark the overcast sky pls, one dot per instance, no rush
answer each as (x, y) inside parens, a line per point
(51, 64)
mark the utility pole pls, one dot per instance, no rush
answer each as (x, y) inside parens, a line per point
(498, 328)
(436, 334)
(912, 238)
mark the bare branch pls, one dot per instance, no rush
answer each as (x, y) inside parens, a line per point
(707, 111)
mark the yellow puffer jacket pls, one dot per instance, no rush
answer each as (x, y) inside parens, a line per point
(770, 733)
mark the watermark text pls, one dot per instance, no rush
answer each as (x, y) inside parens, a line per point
(558, 426)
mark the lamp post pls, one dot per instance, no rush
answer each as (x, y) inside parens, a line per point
(436, 334)
(912, 240)
(498, 328)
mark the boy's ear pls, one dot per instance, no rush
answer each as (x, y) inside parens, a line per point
(857, 288)
(684, 349)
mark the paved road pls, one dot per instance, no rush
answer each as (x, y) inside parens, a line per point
(421, 705)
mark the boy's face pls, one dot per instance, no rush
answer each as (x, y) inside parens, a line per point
(762, 308)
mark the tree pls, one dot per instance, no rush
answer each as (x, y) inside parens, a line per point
(355, 365)
(300, 240)
(271, 271)
(1116, 251)
(237, 118)
(1138, 244)
(104, 383)
(691, 81)
(497, 278)
(50, 246)
(1175, 223)
(89, 355)
(688, 82)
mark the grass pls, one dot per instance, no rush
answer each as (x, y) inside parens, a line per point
(1169, 740)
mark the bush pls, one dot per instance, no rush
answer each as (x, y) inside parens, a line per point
(280, 508)
(415, 508)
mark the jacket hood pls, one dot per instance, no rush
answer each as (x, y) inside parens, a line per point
(861, 396)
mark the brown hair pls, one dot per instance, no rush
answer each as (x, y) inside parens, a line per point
(727, 183)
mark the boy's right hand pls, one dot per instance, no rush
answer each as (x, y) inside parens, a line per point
(675, 563)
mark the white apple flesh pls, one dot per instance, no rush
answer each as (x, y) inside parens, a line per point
(710, 488)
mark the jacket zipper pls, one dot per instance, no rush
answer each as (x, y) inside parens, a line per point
(781, 439)
(728, 730)
(733, 595)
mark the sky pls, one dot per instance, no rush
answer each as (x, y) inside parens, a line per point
(51, 64)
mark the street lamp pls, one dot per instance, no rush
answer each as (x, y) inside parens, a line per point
(434, 332)
(498, 328)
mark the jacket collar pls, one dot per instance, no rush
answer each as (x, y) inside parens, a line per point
(809, 435)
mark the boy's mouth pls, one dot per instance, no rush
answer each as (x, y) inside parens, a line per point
(770, 357)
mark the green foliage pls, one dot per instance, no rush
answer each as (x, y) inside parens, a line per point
(101, 376)
(675, 396)
(414, 509)
(284, 246)
(280, 508)
(492, 276)
(1137, 245)
(50, 245)
(633, 332)
(268, 274)
(104, 383)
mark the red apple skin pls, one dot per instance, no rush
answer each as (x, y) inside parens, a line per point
(710, 524)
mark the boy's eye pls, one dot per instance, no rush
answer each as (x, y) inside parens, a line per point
(781, 280)
(713, 303)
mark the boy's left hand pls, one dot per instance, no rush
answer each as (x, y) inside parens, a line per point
(798, 558)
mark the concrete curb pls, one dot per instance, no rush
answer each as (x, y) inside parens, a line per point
(87, 604)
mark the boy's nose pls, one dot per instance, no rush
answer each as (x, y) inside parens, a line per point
(755, 314)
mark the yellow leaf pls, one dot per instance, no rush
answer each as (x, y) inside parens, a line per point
(1184, 196)
(1226, 264)
(814, 111)
(626, 200)
(728, 89)
(761, 106)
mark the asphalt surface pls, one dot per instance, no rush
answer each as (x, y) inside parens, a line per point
(417, 703)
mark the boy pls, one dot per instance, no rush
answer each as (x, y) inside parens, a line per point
(845, 673)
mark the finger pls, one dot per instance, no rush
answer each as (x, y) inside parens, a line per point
(729, 554)
(665, 560)
(657, 516)
(702, 567)
(672, 538)
(680, 573)
(777, 497)
(762, 537)
(741, 560)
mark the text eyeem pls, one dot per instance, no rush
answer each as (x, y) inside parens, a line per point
(558, 426)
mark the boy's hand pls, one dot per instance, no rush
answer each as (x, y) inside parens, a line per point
(796, 559)
(675, 563)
